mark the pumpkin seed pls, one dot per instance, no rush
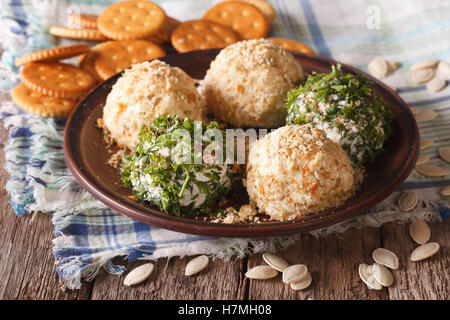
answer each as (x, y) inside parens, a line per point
(428, 63)
(445, 191)
(425, 143)
(407, 201)
(294, 273)
(261, 273)
(382, 275)
(386, 258)
(302, 284)
(378, 67)
(436, 84)
(275, 261)
(422, 75)
(444, 153)
(414, 110)
(139, 274)
(429, 170)
(422, 159)
(366, 275)
(196, 265)
(444, 67)
(425, 251)
(426, 115)
(392, 65)
(419, 231)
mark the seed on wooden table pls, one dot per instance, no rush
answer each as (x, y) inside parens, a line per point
(422, 75)
(428, 63)
(196, 265)
(422, 159)
(275, 261)
(419, 231)
(366, 275)
(386, 258)
(378, 67)
(294, 273)
(445, 191)
(425, 251)
(426, 115)
(425, 143)
(407, 201)
(382, 275)
(436, 84)
(392, 65)
(430, 170)
(414, 110)
(444, 67)
(139, 274)
(302, 284)
(261, 273)
(444, 153)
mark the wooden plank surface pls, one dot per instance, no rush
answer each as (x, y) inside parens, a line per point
(27, 266)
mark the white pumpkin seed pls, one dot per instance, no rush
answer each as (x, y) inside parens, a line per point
(444, 153)
(196, 265)
(423, 158)
(436, 84)
(261, 273)
(392, 65)
(382, 275)
(426, 115)
(428, 63)
(275, 261)
(138, 275)
(419, 231)
(366, 275)
(386, 258)
(407, 201)
(378, 67)
(425, 143)
(414, 110)
(425, 251)
(294, 273)
(430, 170)
(302, 284)
(444, 67)
(422, 75)
(445, 191)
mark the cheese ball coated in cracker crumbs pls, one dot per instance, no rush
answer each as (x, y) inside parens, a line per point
(248, 82)
(144, 92)
(296, 171)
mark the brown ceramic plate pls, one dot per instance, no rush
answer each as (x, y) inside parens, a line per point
(86, 154)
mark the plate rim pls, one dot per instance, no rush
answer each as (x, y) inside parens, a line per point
(276, 228)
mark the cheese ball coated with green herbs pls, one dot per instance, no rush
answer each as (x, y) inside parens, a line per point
(346, 109)
(164, 170)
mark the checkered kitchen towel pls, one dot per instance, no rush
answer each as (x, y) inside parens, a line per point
(88, 234)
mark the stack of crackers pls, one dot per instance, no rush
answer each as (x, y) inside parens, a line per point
(131, 32)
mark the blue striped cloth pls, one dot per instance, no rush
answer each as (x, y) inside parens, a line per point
(88, 234)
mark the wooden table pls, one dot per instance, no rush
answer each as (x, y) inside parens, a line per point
(27, 269)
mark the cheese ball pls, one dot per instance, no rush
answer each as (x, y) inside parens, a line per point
(247, 83)
(296, 171)
(144, 92)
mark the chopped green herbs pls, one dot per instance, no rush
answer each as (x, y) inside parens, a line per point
(166, 168)
(345, 107)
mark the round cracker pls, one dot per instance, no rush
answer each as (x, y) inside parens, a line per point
(201, 35)
(41, 105)
(265, 7)
(115, 56)
(134, 19)
(292, 45)
(84, 20)
(87, 63)
(53, 54)
(75, 33)
(56, 79)
(245, 19)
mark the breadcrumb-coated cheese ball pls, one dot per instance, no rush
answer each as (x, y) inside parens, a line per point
(144, 92)
(296, 170)
(247, 83)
